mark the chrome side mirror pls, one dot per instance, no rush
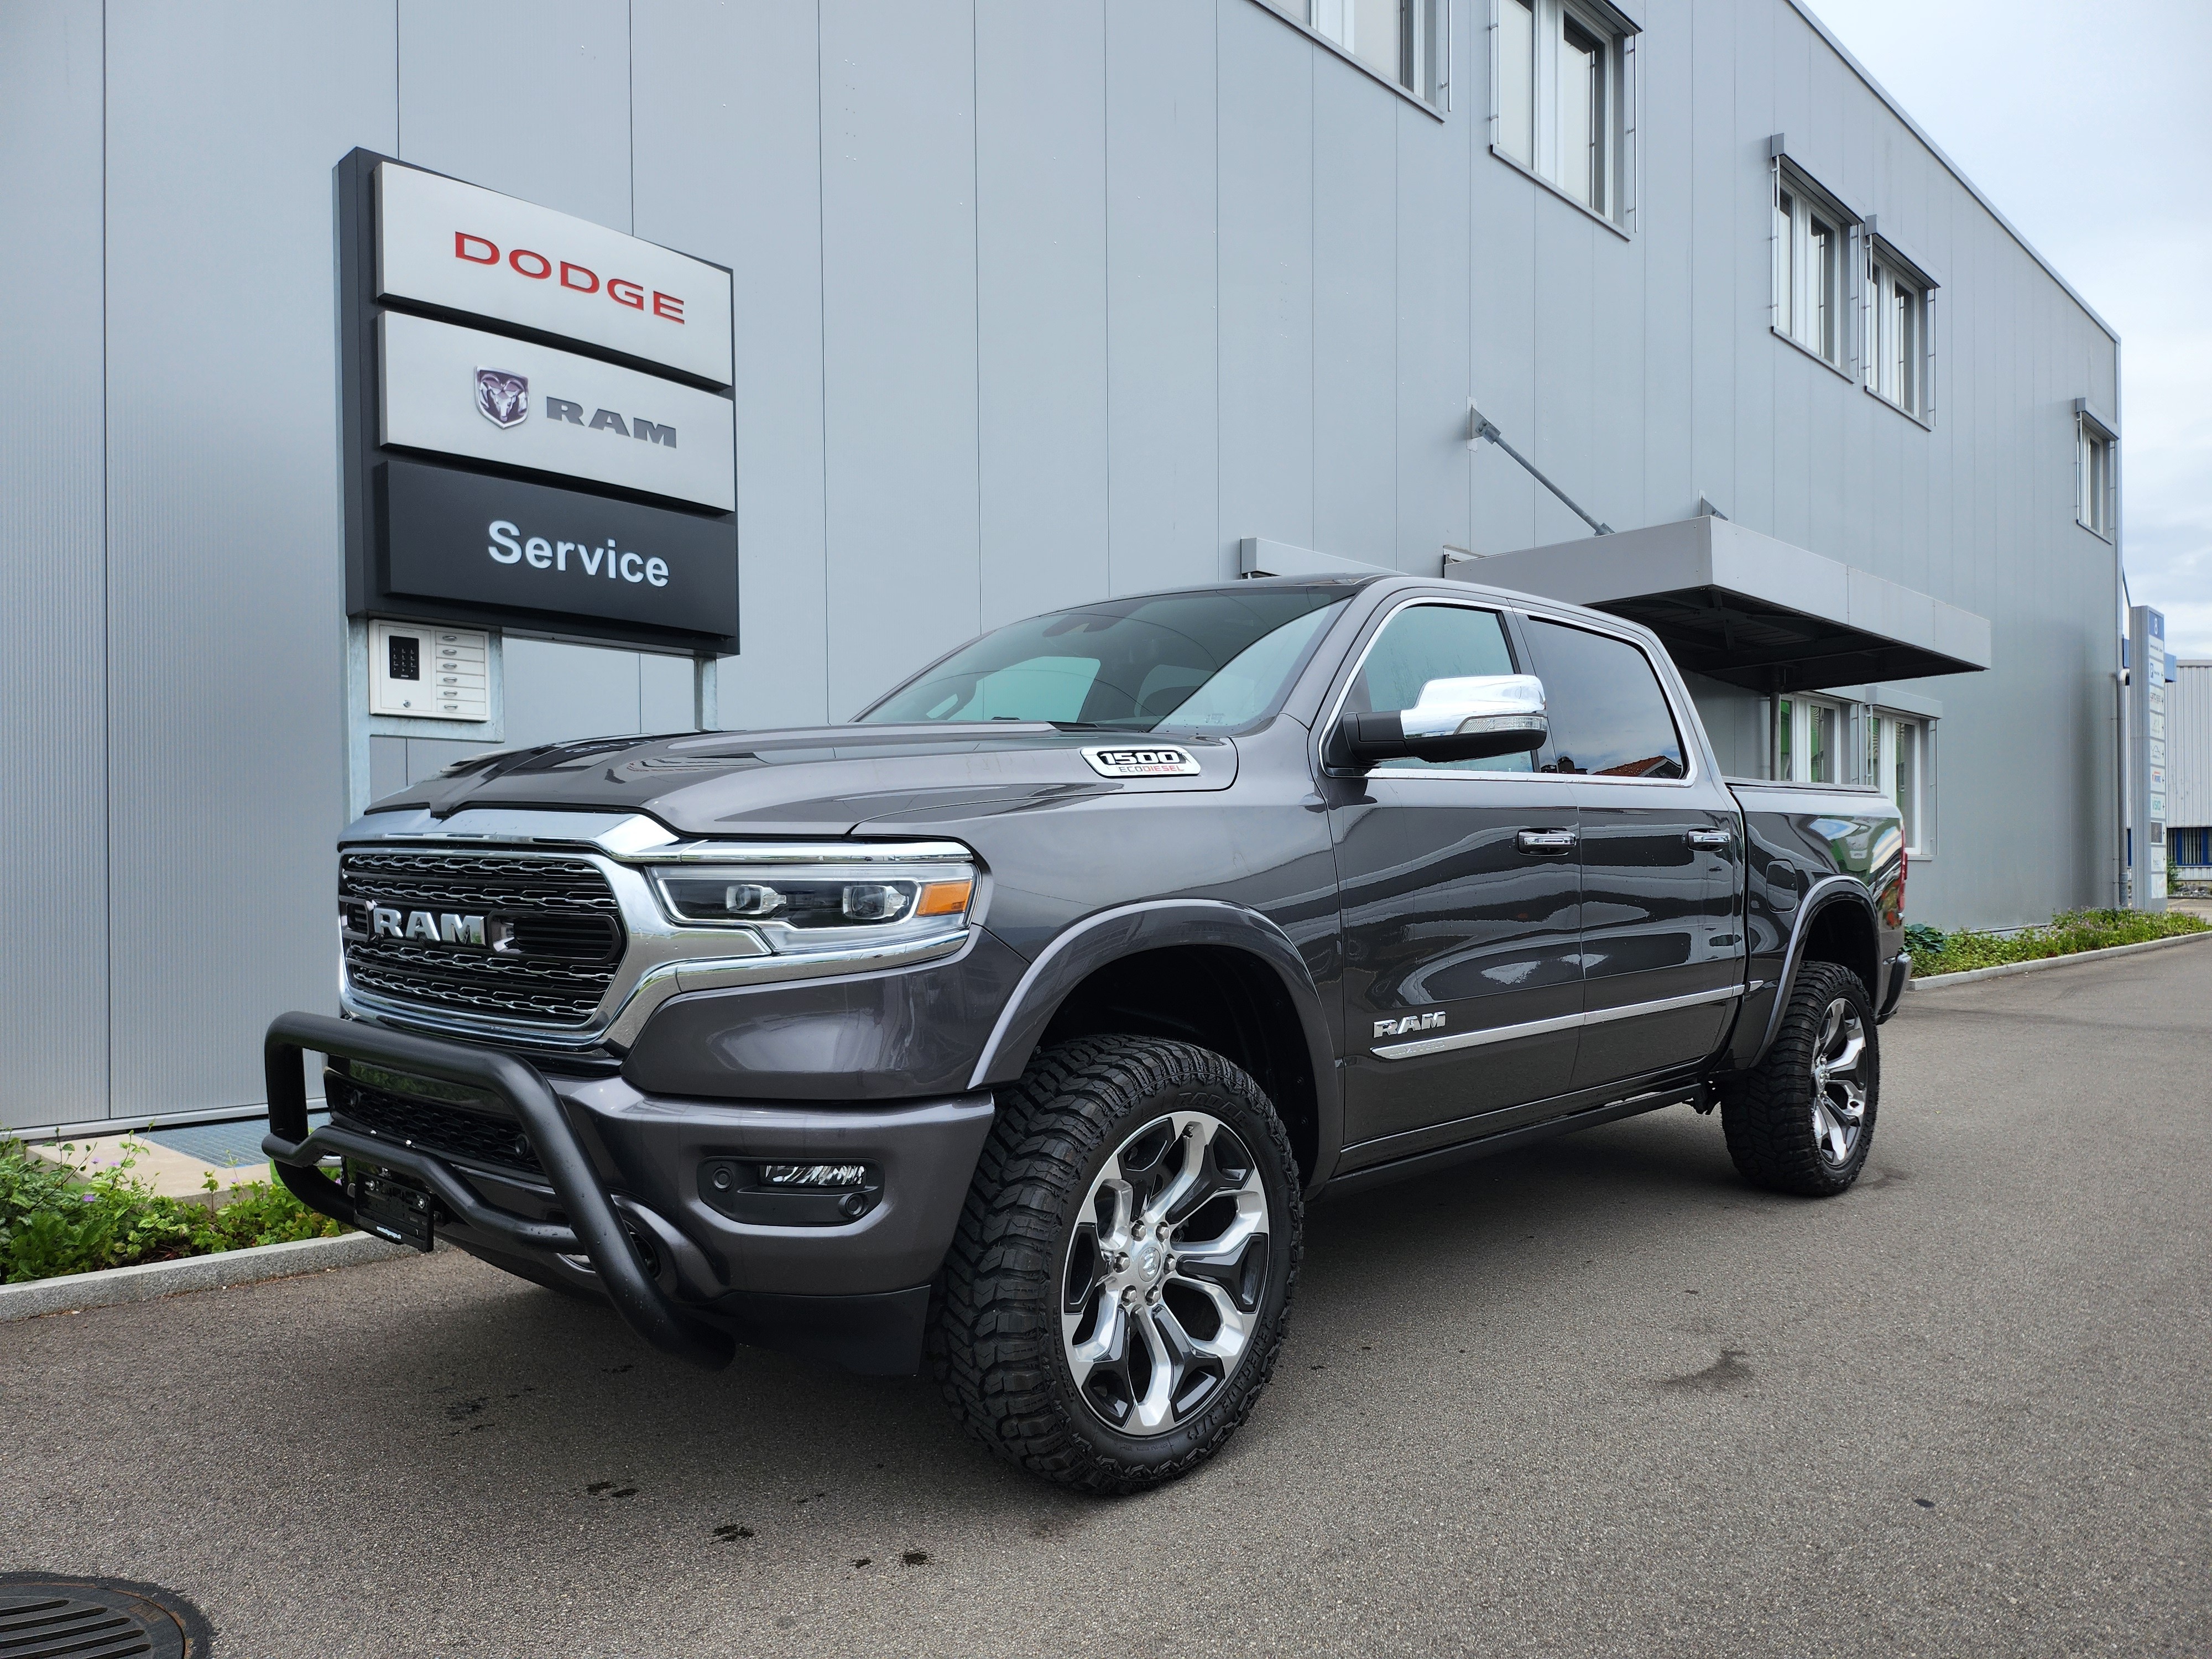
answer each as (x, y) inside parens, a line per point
(1469, 719)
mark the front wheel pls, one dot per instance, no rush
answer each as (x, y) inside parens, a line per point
(1120, 1282)
(1803, 1120)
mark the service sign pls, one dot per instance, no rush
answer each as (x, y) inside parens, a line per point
(451, 535)
(461, 391)
(460, 248)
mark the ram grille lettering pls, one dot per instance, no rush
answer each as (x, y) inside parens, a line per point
(439, 927)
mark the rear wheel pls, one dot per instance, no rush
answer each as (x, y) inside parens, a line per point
(1120, 1284)
(1803, 1122)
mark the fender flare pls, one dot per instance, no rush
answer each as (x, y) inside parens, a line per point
(1825, 894)
(1075, 954)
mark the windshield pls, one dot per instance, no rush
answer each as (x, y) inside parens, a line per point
(1210, 661)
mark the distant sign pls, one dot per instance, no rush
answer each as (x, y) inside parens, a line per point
(460, 247)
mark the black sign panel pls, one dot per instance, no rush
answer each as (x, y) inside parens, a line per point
(586, 562)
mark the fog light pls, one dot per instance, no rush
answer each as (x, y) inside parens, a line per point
(813, 1174)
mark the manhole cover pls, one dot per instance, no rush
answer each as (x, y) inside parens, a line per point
(45, 1618)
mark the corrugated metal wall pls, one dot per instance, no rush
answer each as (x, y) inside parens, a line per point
(1036, 303)
(2189, 747)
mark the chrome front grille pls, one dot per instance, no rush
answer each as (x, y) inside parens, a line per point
(503, 936)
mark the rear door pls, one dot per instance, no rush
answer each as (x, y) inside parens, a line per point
(1461, 900)
(1663, 939)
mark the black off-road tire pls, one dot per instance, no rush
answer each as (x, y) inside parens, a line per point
(995, 1342)
(1768, 1115)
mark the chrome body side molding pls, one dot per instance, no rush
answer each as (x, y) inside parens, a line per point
(1561, 1023)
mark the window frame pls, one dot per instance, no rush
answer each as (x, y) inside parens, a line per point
(1810, 201)
(1348, 675)
(2096, 505)
(1425, 48)
(1614, 35)
(1882, 267)
(1921, 817)
(1679, 707)
(1797, 738)
(1682, 728)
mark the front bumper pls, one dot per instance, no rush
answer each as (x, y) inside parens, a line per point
(614, 1206)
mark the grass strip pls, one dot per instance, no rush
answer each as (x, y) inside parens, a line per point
(54, 1219)
(2066, 933)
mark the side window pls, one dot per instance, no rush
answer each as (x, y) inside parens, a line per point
(1426, 642)
(1609, 718)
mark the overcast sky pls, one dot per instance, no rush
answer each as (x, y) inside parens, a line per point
(2089, 127)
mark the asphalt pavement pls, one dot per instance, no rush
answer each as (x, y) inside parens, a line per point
(1596, 1398)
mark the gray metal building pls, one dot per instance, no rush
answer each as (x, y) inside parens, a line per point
(1035, 303)
(2189, 774)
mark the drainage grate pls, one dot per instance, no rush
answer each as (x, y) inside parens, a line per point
(45, 1618)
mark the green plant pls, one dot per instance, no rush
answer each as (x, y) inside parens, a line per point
(58, 1218)
(1923, 940)
(2066, 933)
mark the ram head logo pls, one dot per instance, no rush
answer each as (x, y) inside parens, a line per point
(502, 398)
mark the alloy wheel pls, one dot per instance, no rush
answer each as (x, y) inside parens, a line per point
(1166, 1268)
(1839, 1095)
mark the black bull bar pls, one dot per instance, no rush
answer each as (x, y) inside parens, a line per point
(594, 1229)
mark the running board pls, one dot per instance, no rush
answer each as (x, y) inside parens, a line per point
(1508, 1140)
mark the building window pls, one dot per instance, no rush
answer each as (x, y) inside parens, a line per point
(1811, 242)
(1896, 332)
(2094, 453)
(1561, 103)
(1808, 747)
(1396, 38)
(1897, 765)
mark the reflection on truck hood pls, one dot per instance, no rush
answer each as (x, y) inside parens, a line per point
(818, 780)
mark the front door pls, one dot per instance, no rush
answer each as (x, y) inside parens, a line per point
(1662, 949)
(1460, 901)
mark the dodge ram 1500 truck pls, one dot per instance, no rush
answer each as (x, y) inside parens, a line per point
(1006, 1030)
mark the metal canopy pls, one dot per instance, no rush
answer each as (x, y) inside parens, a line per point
(1745, 608)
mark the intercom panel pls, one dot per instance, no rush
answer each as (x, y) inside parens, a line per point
(430, 672)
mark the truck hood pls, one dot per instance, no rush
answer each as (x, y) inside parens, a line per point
(818, 780)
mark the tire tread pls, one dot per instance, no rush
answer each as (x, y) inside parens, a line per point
(990, 1352)
(1766, 1114)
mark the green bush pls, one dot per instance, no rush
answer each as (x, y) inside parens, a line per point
(2067, 933)
(53, 1220)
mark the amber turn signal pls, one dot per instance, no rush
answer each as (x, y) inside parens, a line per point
(944, 899)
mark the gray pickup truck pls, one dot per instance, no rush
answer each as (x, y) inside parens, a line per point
(1007, 1030)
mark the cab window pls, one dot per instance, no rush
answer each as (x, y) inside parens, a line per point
(1608, 717)
(1424, 642)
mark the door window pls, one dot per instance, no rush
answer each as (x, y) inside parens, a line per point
(1608, 717)
(1424, 642)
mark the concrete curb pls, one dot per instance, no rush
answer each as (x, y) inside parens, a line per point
(1939, 982)
(199, 1273)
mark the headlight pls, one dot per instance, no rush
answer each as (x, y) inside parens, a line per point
(825, 906)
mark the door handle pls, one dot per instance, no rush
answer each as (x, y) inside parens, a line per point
(1544, 840)
(1718, 841)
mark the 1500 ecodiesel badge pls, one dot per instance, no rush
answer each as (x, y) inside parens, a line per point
(1007, 1030)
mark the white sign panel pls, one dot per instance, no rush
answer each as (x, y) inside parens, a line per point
(444, 243)
(461, 391)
